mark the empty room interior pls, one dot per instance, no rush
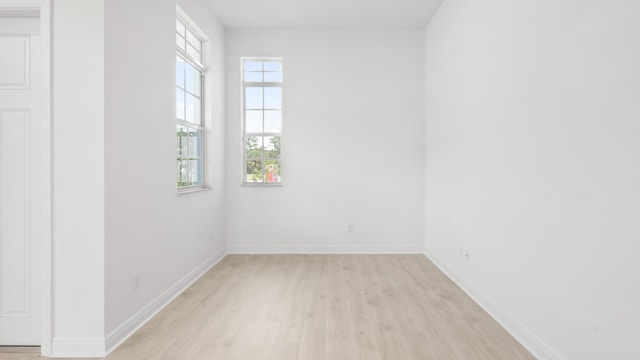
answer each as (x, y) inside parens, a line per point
(336, 179)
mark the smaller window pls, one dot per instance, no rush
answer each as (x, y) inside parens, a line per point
(262, 121)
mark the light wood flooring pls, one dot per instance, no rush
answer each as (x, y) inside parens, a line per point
(333, 307)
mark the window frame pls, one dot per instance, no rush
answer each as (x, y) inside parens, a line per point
(244, 134)
(199, 126)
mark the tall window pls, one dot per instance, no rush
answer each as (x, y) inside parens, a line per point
(189, 105)
(262, 120)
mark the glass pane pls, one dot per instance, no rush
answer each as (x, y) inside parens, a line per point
(272, 171)
(272, 147)
(253, 76)
(253, 121)
(272, 66)
(193, 40)
(253, 66)
(181, 133)
(273, 77)
(194, 53)
(253, 147)
(194, 173)
(188, 174)
(193, 138)
(193, 79)
(180, 27)
(179, 72)
(254, 171)
(180, 104)
(180, 42)
(273, 98)
(273, 121)
(183, 172)
(253, 98)
(192, 109)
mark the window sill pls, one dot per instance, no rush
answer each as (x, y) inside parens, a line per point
(193, 189)
(262, 184)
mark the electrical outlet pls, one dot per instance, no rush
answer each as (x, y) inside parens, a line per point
(467, 255)
(136, 281)
(350, 228)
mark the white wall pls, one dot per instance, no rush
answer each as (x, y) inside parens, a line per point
(150, 230)
(353, 149)
(532, 143)
(78, 173)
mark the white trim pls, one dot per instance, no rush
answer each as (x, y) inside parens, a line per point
(325, 249)
(21, 7)
(191, 25)
(525, 337)
(46, 295)
(77, 348)
(192, 189)
(263, 184)
(120, 334)
(194, 62)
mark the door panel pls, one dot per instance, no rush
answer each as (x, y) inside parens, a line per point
(15, 242)
(20, 161)
(14, 62)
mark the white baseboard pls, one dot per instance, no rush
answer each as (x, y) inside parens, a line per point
(77, 347)
(129, 327)
(325, 249)
(531, 342)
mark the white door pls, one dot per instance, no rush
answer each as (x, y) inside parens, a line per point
(20, 181)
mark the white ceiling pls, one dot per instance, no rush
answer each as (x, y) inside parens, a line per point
(324, 13)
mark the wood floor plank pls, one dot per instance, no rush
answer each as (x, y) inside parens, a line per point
(322, 307)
